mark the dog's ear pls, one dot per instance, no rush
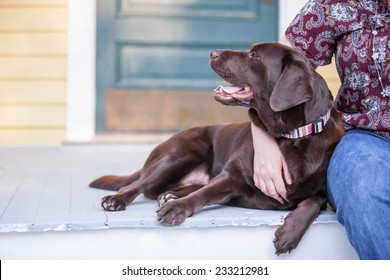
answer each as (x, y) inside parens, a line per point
(294, 86)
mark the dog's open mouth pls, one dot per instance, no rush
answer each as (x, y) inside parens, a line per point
(233, 94)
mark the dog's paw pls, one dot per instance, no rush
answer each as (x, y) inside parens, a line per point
(113, 203)
(166, 197)
(286, 240)
(173, 213)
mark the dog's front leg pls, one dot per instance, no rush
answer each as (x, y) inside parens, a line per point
(288, 236)
(218, 191)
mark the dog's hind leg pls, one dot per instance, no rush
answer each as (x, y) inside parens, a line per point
(166, 165)
(154, 178)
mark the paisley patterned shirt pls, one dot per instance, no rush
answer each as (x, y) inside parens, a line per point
(354, 31)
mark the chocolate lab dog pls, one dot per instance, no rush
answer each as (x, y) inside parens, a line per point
(214, 164)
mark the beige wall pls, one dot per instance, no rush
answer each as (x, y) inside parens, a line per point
(33, 56)
(331, 77)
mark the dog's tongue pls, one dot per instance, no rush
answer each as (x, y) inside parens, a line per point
(230, 89)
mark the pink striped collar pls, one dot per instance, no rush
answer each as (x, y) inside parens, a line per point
(312, 128)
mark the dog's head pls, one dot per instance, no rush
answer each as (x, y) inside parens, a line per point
(276, 81)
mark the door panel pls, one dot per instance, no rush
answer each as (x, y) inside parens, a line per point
(170, 110)
(162, 46)
(187, 8)
(164, 66)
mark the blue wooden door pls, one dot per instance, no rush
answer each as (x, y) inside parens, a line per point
(152, 58)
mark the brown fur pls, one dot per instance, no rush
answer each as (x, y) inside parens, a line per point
(214, 164)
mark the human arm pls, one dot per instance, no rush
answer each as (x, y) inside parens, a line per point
(269, 163)
(313, 33)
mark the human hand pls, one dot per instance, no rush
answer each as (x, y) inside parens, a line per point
(269, 166)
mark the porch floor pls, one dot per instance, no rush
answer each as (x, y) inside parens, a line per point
(47, 211)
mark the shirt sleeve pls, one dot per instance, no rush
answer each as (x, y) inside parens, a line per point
(313, 31)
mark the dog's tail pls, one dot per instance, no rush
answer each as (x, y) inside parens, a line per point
(114, 183)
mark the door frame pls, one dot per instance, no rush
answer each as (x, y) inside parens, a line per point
(81, 92)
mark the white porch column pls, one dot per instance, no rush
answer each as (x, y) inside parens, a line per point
(81, 93)
(287, 11)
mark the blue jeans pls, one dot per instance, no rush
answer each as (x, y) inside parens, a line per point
(359, 190)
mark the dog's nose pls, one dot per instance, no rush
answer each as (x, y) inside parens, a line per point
(215, 54)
